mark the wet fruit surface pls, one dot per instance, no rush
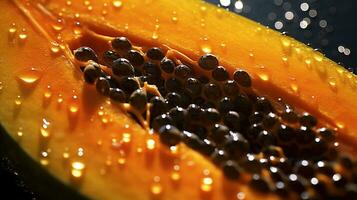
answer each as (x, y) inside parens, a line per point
(126, 101)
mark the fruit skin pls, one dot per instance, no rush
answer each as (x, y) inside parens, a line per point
(31, 170)
(77, 131)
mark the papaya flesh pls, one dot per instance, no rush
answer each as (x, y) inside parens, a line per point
(88, 143)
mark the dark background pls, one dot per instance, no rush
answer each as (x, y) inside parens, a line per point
(338, 29)
(340, 15)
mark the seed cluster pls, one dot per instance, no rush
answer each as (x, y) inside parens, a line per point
(219, 116)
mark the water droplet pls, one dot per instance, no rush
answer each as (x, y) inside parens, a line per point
(332, 83)
(206, 184)
(150, 144)
(86, 3)
(122, 158)
(308, 63)
(264, 76)
(23, 35)
(18, 101)
(44, 158)
(294, 88)
(80, 152)
(206, 48)
(60, 99)
(20, 132)
(77, 28)
(90, 8)
(73, 105)
(286, 45)
(340, 125)
(156, 187)
(30, 76)
(117, 3)
(65, 154)
(55, 48)
(1, 86)
(58, 25)
(45, 128)
(126, 138)
(77, 169)
(155, 35)
(175, 174)
(240, 195)
(109, 161)
(318, 57)
(174, 150)
(285, 60)
(48, 93)
(12, 30)
(174, 18)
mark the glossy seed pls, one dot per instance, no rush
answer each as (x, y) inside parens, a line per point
(122, 67)
(173, 85)
(208, 62)
(259, 184)
(256, 117)
(231, 170)
(308, 120)
(121, 44)
(194, 112)
(251, 164)
(167, 65)
(304, 168)
(103, 86)
(236, 145)
(296, 183)
(220, 74)
(263, 105)
(85, 54)
(135, 57)
(182, 71)
(285, 133)
(173, 99)
(231, 88)
(225, 105)
(91, 73)
(178, 116)
(138, 100)
(158, 106)
(305, 135)
(242, 78)
(129, 85)
(151, 69)
(117, 95)
(270, 120)
(289, 116)
(265, 138)
(193, 86)
(160, 121)
(211, 115)
(232, 120)
(219, 156)
(170, 135)
(109, 56)
(192, 140)
(327, 134)
(155, 53)
(218, 133)
(212, 91)
(243, 104)
(207, 147)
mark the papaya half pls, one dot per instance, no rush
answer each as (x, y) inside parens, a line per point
(133, 99)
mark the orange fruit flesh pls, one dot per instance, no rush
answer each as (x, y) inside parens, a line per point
(75, 120)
